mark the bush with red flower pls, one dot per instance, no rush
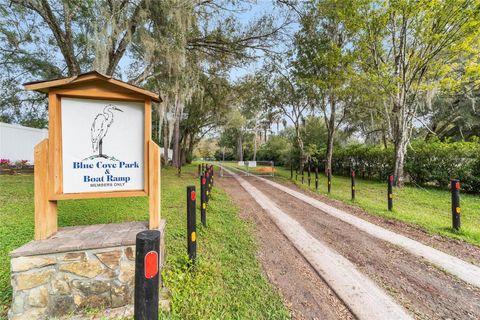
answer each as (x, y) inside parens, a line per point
(5, 163)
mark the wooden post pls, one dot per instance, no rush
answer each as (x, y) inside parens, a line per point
(45, 210)
(154, 185)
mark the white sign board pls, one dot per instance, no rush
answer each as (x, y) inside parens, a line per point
(252, 164)
(241, 163)
(102, 145)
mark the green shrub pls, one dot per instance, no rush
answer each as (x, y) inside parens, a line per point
(370, 161)
(437, 162)
(276, 149)
(427, 162)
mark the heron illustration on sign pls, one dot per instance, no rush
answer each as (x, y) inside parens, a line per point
(99, 129)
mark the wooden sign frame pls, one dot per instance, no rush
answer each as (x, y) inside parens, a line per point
(48, 153)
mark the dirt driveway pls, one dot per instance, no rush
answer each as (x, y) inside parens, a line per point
(427, 292)
(304, 292)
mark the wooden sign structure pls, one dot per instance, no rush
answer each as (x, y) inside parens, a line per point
(99, 146)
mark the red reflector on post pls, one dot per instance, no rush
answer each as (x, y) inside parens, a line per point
(193, 195)
(353, 173)
(204, 180)
(391, 178)
(457, 185)
(151, 264)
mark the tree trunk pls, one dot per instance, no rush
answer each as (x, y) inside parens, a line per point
(183, 156)
(240, 147)
(329, 155)
(384, 138)
(302, 154)
(161, 116)
(191, 144)
(255, 147)
(166, 145)
(300, 147)
(176, 135)
(400, 152)
(330, 136)
(401, 136)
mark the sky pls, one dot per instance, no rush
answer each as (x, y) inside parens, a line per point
(249, 12)
(254, 11)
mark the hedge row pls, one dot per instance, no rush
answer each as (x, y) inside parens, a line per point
(427, 163)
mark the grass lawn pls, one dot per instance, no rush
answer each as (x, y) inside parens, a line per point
(429, 208)
(228, 282)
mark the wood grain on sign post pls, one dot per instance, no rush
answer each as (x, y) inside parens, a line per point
(154, 185)
(45, 210)
(99, 195)
(54, 136)
(148, 139)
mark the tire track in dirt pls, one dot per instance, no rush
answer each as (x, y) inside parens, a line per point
(421, 288)
(305, 293)
(360, 293)
(468, 272)
(454, 247)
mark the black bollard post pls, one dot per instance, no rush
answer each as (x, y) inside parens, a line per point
(291, 171)
(353, 184)
(455, 185)
(329, 179)
(147, 254)
(316, 178)
(191, 225)
(213, 176)
(207, 193)
(209, 181)
(308, 173)
(390, 192)
(296, 174)
(199, 170)
(303, 175)
(203, 201)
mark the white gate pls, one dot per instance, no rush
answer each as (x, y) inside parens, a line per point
(247, 168)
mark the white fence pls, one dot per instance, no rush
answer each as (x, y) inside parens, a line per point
(247, 168)
(17, 142)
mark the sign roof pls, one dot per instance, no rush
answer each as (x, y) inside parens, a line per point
(45, 85)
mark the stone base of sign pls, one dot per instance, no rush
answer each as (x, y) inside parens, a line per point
(79, 267)
(125, 312)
